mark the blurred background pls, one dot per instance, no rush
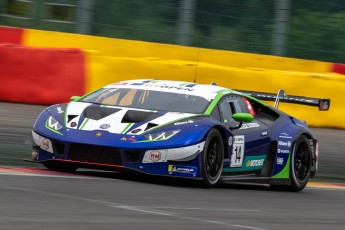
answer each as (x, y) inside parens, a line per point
(308, 29)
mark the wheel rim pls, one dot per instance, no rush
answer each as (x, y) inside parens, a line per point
(213, 158)
(302, 162)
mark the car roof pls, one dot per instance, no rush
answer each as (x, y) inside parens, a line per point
(207, 91)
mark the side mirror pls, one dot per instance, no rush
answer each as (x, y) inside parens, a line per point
(75, 98)
(241, 117)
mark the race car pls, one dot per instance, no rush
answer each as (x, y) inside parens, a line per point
(180, 129)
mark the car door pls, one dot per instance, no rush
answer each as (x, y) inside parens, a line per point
(249, 144)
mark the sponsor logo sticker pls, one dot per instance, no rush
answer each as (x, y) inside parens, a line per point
(135, 131)
(104, 126)
(45, 144)
(59, 110)
(283, 151)
(280, 161)
(250, 125)
(255, 163)
(230, 140)
(182, 169)
(285, 136)
(155, 156)
(98, 134)
(184, 122)
(284, 143)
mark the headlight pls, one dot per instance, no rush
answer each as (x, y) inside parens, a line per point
(161, 135)
(53, 124)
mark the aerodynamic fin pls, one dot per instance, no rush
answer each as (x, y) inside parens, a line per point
(323, 104)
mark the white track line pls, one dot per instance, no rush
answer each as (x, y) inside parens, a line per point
(142, 210)
(133, 208)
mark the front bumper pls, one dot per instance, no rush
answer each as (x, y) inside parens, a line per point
(178, 162)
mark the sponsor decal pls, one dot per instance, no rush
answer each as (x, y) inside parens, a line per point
(98, 134)
(128, 139)
(132, 139)
(280, 161)
(44, 143)
(283, 151)
(324, 105)
(181, 169)
(255, 163)
(250, 125)
(119, 83)
(60, 110)
(135, 131)
(155, 156)
(34, 155)
(285, 136)
(104, 126)
(284, 143)
(230, 140)
(237, 151)
(184, 122)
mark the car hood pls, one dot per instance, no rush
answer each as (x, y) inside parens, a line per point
(118, 120)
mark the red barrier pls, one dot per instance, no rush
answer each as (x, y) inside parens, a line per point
(11, 34)
(338, 68)
(40, 76)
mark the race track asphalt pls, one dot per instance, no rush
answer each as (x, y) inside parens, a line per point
(35, 198)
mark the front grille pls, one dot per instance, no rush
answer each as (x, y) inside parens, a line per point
(59, 147)
(131, 155)
(95, 154)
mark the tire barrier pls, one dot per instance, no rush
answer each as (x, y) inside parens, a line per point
(107, 60)
(11, 35)
(40, 76)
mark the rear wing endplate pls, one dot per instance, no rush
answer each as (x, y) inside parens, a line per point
(323, 104)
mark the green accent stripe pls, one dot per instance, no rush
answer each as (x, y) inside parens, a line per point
(128, 126)
(84, 123)
(285, 173)
(53, 130)
(216, 100)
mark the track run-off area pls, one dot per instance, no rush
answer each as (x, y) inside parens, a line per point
(32, 197)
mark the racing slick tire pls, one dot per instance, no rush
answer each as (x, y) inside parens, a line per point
(300, 166)
(59, 168)
(213, 157)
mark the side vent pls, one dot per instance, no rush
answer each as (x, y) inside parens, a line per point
(98, 112)
(134, 116)
(269, 162)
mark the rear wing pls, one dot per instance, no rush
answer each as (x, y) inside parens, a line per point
(323, 104)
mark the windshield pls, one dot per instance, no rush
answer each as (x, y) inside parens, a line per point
(148, 99)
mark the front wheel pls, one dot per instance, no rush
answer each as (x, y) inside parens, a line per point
(213, 157)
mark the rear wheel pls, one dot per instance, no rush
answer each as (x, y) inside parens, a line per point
(300, 165)
(60, 168)
(213, 158)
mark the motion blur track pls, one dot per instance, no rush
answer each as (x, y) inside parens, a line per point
(35, 198)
